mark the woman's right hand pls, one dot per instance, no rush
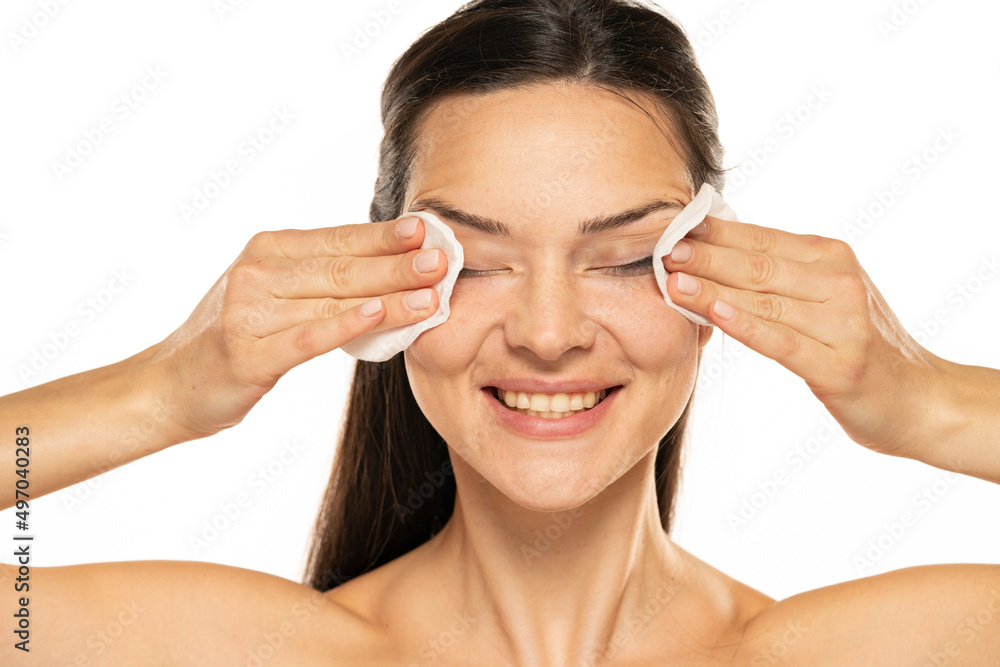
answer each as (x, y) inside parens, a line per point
(290, 296)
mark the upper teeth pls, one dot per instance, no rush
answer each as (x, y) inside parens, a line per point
(551, 402)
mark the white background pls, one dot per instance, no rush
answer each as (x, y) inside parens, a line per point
(889, 94)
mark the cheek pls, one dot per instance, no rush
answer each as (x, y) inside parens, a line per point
(660, 344)
(652, 334)
(446, 353)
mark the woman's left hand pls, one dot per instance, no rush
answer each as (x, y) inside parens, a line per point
(805, 301)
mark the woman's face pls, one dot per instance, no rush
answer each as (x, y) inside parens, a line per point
(542, 160)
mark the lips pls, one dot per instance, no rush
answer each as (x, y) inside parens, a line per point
(543, 428)
(530, 384)
(497, 393)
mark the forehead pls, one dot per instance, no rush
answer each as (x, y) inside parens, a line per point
(565, 149)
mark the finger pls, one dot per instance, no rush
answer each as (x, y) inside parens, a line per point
(287, 349)
(338, 277)
(269, 316)
(363, 240)
(808, 318)
(291, 347)
(802, 355)
(766, 240)
(752, 270)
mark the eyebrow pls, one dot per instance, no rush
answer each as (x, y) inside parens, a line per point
(494, 227)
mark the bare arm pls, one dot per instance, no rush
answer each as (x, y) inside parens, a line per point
(922, 615)
(174, 613)
(962, 431)
(85, 424)
(290, 296)
(806, 302)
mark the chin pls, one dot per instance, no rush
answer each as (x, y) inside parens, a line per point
(557, 490)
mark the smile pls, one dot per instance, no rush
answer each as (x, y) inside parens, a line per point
(550, 406)
(561, 418)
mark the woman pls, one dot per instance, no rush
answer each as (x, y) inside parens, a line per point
(455, 531)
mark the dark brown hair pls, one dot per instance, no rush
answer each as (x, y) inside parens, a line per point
(392, 487)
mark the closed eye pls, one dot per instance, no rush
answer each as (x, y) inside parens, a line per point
(636, 268)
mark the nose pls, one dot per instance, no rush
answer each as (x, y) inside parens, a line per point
(549, 317)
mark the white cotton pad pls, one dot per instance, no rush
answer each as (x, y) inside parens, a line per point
(707, 202)
(381, 345)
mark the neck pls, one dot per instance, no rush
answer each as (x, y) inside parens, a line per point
(568, 587)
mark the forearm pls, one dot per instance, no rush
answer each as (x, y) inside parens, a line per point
(965, 437)
(85, 424)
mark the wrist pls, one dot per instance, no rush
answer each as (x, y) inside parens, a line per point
(944, 415)
(160, 414)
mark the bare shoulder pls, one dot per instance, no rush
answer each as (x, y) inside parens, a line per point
(181, 613)
(930, 614)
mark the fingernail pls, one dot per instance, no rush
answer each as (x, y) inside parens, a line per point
(686, 284)
(723, 310)
(370, 308)
(427, 261)
(419, 300)
(407, 228)
(682, 252)
(699, 229)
